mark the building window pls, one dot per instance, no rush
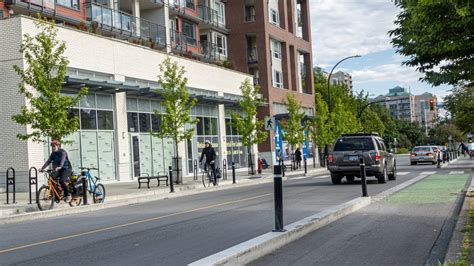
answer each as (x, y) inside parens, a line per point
(189, 32)
(221, 43)
(190, 4)
(249, 13)
(274, 17)
(276, 49)
(277, 79)
(69, 3)
(220, 12)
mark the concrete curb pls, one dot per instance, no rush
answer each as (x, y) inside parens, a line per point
(134, 198)
(264, 244)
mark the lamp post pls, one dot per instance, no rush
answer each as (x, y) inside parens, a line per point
(329, 79)
(326, 149)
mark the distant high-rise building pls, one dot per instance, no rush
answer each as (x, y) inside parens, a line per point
(400, 102)
(408, 107)
(342, 78)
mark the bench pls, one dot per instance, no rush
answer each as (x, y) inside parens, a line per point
(146, 179)
(286, 164)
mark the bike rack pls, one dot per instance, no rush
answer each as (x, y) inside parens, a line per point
(224, 169)
(10, 181)
(195, 169)
(33, 180)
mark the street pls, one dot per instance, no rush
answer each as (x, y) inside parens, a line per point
(405, 229)
(181, 230)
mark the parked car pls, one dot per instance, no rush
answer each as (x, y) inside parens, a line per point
(343, 161)
(423, 154)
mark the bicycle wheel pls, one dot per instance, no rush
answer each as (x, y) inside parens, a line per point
(75, 201)
(45, 198)
(204, 178)
(98, 195)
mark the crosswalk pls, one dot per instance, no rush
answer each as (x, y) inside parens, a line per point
(456, 172)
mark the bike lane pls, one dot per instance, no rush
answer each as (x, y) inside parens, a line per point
(413, 226)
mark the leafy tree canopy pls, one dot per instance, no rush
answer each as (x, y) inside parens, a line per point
(248, 125)
(438, 39)
(47, 110)
(292, 127)
(460, 103)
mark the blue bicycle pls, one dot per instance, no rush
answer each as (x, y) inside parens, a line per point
(96, 189)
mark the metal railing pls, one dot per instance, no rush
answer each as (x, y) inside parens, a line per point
(252, 55)
(211, 50)
(178, 44)
(249, 18)
(126, 24)
(41, 5)
(210, 16)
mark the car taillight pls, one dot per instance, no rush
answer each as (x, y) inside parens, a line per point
(413, 154)
(377, 156)
(429, 154)
(330, 158)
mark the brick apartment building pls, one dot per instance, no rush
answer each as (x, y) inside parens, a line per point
(115, 47)
(271, 40)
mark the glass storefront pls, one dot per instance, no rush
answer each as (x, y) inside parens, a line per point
(149, 154)
(93, 145)
(236, 152)
(206, 129)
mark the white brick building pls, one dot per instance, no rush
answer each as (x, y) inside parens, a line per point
(117, 113)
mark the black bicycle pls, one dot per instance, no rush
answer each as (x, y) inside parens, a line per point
(209, 176)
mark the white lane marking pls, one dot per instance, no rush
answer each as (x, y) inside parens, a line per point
(456, 172)
(301, 177)
(428, 173)
(403, 173)
(322, 176)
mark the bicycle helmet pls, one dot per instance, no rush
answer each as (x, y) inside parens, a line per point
(207, 141)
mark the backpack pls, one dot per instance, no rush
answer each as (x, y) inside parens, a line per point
(218, 172)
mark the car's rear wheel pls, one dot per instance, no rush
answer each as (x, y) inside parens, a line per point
(413, 163)
(336, 179)
(393, 175)
(382, 177)
(350, 178)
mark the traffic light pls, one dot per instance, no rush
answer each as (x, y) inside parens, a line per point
(432, 104)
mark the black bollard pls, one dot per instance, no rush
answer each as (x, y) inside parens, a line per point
(10, 181)
(195, 170)
(282, 164)
(84, 190)
(33, 180)
(314, 161)
(278, 194)
(224, 169)
(363, 178)
(233, 173)
(305, 167)
(171, 179)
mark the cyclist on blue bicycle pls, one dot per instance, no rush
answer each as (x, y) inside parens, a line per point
(61, 166)
(210, 154)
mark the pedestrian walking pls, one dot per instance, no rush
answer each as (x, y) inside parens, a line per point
(298, 157)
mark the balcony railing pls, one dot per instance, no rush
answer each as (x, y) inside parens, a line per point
(123, 23)
(40, 5)
(212, 51)
(178, 44)
(210, 16)
(252, 56)
(249, 18)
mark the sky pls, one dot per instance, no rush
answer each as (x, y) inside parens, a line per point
(342, 28)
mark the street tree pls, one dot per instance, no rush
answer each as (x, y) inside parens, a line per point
(176, 123)
(437, 38)
(247, 124)
(41, 81)
(460, 104)
(293, 130)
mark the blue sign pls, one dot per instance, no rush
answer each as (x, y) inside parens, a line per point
(279, 151)
(305, 144)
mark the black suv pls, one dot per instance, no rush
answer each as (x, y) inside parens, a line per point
(344, 159)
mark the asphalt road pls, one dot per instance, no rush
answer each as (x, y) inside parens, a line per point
(405, 229)
(180, 230)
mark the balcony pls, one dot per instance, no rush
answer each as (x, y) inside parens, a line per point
(118, 22)
(178, 44)
(212, 51)
(210, 16)
(252, 56)
(43, 6)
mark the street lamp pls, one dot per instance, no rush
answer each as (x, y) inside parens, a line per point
(329, 79)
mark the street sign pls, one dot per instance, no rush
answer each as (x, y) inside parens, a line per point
(269, 123)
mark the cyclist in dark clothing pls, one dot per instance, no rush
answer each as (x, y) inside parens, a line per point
(61, 165)
(210, 154)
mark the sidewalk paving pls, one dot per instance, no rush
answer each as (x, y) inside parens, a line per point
(124, 193)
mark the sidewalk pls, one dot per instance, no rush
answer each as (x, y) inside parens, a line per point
(125, 193)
